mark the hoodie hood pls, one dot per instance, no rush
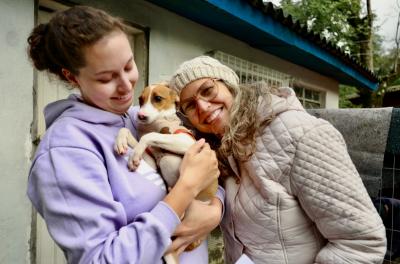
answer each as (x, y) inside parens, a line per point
(74, 107)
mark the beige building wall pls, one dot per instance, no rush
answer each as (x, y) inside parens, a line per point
(16, 78)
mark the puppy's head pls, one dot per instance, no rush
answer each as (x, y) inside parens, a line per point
(157, 101)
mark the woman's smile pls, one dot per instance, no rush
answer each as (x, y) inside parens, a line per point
(213, 116)
(210, 116)
(122, 99)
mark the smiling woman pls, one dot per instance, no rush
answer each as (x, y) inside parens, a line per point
(206, 103)
(107, 86)
(207, 91)
(107, 213)
(293, 194)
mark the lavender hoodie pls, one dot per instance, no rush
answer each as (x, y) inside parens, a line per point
(95, 209)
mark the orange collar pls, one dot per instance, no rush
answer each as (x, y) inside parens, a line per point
(186, 131)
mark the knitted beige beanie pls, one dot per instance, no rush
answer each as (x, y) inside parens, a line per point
(202, 67)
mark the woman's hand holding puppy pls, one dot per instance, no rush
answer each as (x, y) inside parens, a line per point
(196, 225)
(198, 170)
(199, 167)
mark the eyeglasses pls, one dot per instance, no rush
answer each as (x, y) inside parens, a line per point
(207, 91)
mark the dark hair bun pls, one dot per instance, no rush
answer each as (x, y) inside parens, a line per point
(37, 47)
(60, 43)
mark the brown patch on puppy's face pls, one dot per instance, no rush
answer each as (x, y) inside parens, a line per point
(143, 98)
(162, 97)
(156, 101)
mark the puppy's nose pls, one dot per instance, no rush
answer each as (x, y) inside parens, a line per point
(142, 117)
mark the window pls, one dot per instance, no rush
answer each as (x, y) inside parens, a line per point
(309, 98)
(250, 72)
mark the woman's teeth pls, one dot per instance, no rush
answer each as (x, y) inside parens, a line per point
(123, 97)
(213, 116)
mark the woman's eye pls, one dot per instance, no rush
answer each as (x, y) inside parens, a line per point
(206, 91)
(190, 106)
(128, 67)
(104, 80)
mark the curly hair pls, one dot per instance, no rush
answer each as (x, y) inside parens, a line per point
(239, 140)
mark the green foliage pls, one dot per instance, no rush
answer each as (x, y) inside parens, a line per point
(396, 82)
(339, 21)
(383, 61)
(345, 94)
(215, 247)
(344, 23)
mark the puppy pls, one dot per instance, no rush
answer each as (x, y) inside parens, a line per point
(163, 141)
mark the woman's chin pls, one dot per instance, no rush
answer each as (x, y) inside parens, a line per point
(217, 129)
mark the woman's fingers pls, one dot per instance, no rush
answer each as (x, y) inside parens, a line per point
(199, 166)
(180, 243)
(198, 170)
(197, 147)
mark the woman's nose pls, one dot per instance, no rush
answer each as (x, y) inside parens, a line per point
(202, 104)
(125, 84)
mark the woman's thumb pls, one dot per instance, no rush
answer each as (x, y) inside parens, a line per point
(196, 148)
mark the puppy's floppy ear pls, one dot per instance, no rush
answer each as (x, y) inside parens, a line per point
(174, 94)
(164, 83)
(177, 101)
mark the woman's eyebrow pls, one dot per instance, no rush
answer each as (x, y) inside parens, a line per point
(186, 100)
(205, 84)
(111, 71)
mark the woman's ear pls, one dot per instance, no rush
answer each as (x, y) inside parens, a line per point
(69, 76)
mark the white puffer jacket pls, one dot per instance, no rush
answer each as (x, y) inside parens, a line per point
(300, 199)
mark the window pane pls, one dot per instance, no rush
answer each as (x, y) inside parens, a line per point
(311, 105)
(308, 94)
(315, 95)
(298, 91)
(250, 72)
(243, 78)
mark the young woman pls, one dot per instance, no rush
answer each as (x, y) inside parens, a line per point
(95, 209)
(293, 194)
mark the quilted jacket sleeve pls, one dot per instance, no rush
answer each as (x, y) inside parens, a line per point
(331, 192)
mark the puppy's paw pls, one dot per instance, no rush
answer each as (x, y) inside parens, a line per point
(134, 162)
(121, 142)
(120, 148)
